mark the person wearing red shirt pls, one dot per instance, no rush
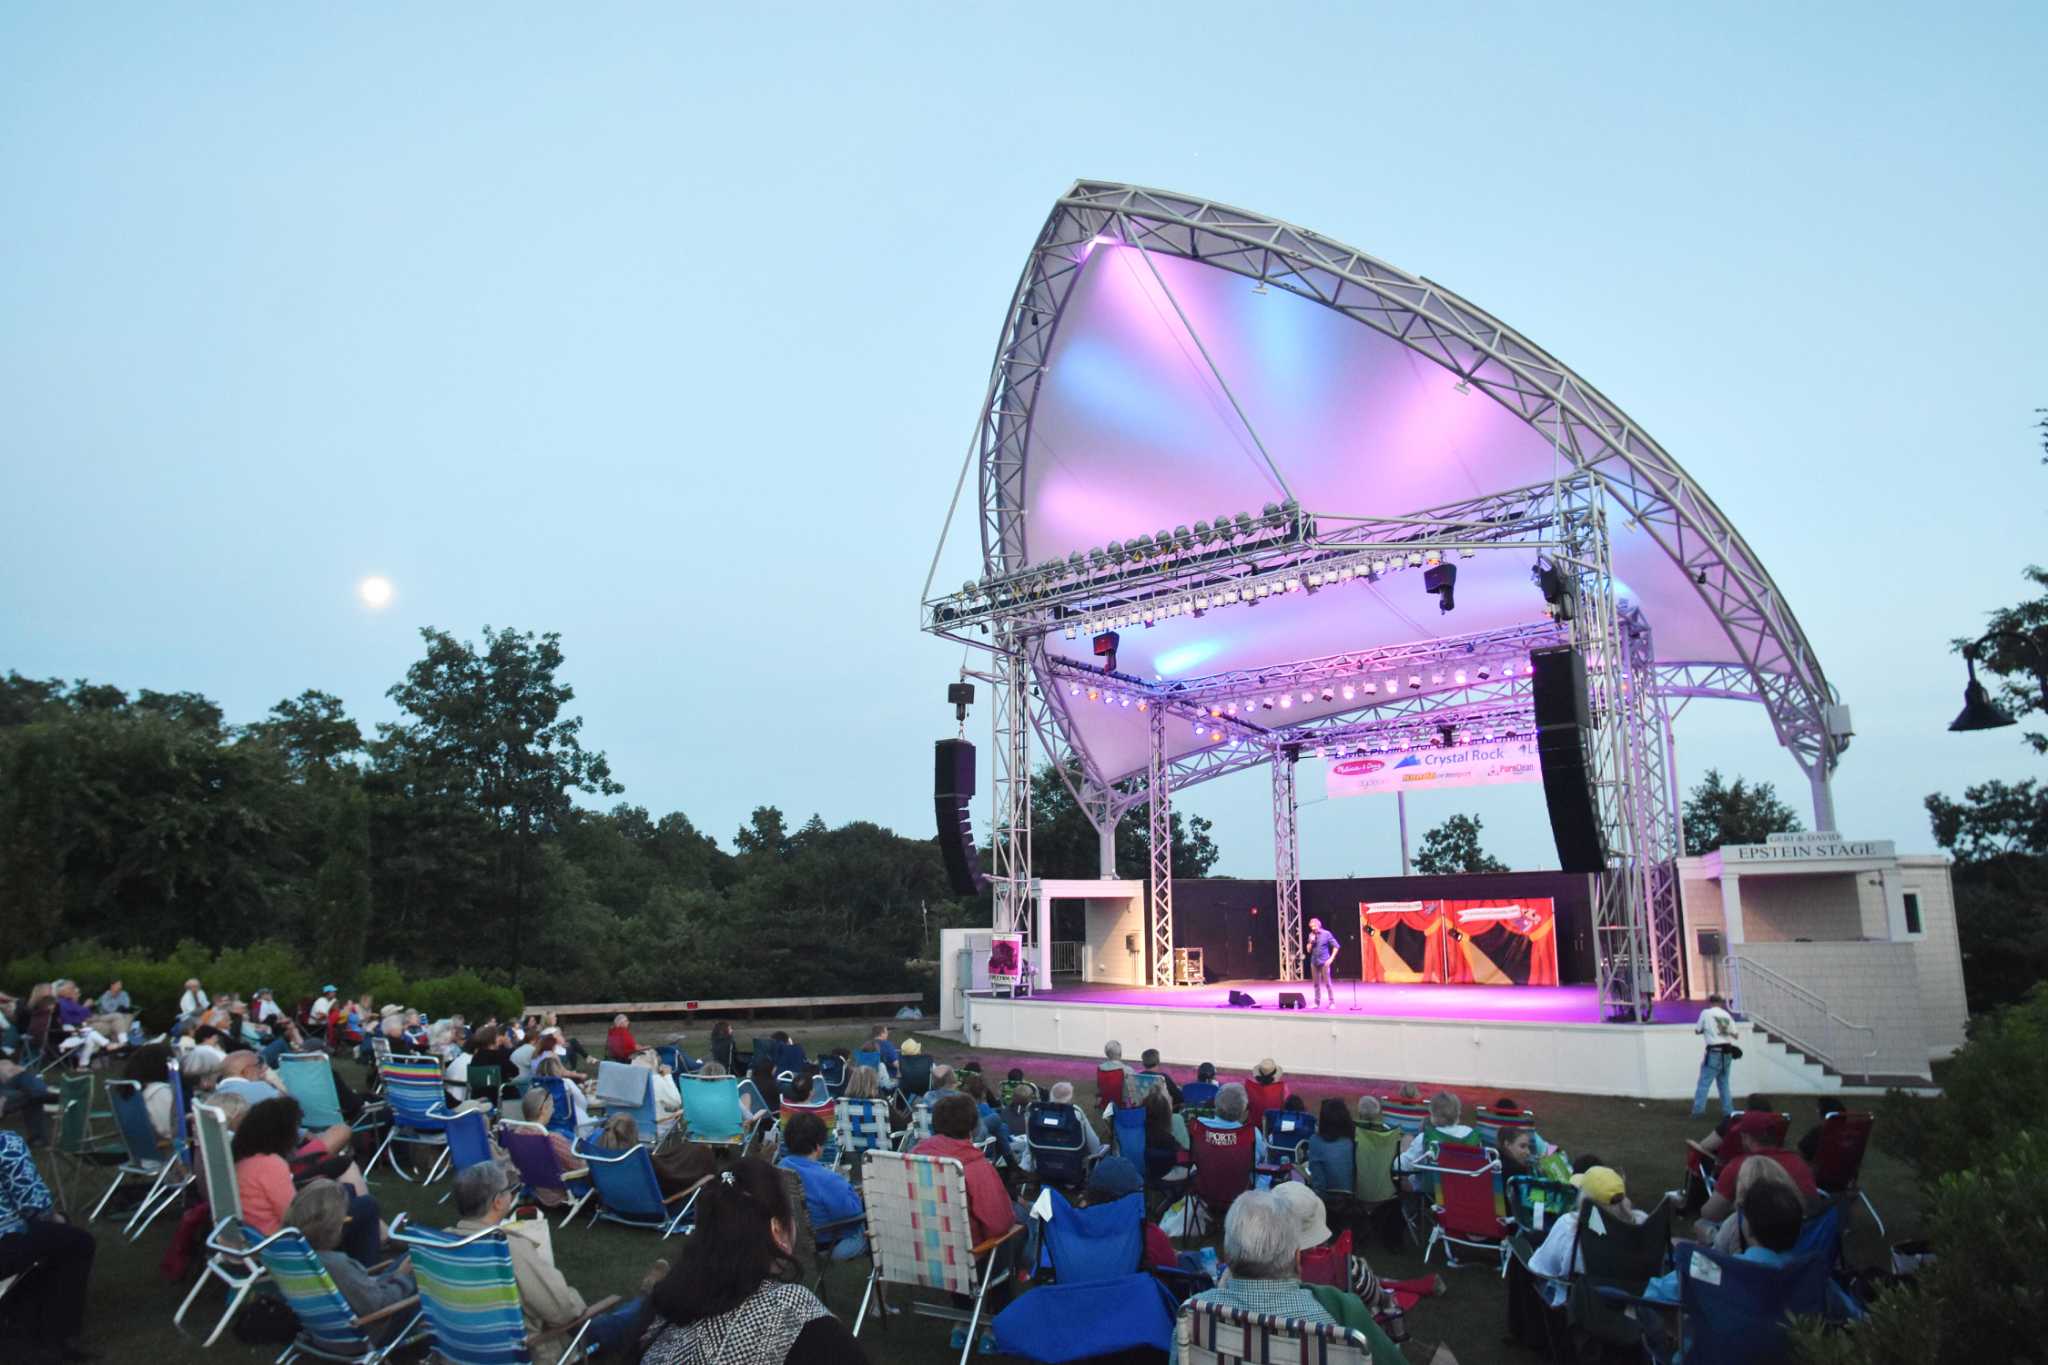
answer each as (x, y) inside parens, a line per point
(619, 1044)
(989, 1207)
(1751, 1133)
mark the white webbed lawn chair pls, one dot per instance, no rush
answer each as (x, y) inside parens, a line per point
(919, 1233)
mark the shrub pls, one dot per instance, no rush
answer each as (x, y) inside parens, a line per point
(1993, 1088)
(464, 993)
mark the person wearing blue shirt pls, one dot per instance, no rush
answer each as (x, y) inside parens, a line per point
(878, 1041)
(828, 1196)
(1202, 1089)
(33, 1234)
(1322, 950)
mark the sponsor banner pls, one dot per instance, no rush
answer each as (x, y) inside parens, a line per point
(1461, 765)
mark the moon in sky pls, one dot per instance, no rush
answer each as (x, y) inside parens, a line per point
(375, 592)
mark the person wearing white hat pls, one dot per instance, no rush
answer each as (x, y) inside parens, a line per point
(322, 1004)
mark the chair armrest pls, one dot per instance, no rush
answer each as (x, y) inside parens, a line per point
(387, 1310)
(689, 1189)
(823, 1230)
(602, 1306)
(580, 1173)
(1015, 1230)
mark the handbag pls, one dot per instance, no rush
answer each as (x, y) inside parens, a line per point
(1734, 1053)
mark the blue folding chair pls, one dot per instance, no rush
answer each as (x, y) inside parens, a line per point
(1093, 1319)
(1099, 1242)
(1287, 1129)
(863, 1126)
(563, 1118)
(1059, 1152)
(832, 1071)
(628, 1089)
(1127, 1125)
(628, 1191)
(469, 1139)
(1741, 1316)
(872, 1060)
(168, 1171)
(1198, 1093)
(672, 1058)
(711, 1109)
(328, 1328)
(471, 1301)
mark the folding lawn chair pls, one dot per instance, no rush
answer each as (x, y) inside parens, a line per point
(1059, 1149)
(1099, 1242)
(1619, 1259)
(832, 1071)
(469, 1140)
(1377, 1197)
(1465, 1215)
(1217, 1334)
(1734, 1311)
(412, 1086)
(562, 1117)
(1838, 1160)
(1223, 1159)
(711, 1109)
(628, 1191)
(1115, 1319)
(1407, 1115)
(1109, 1084)
(1127, 1126)
(918, 1129)
(1285, 1132)
(532, 1149)
(827, 1113)
(471, 1300)
(168, 1171)
(1489, 1122)
(232, 1262)
(328, 1328)
(628, 1089)
(76, 1147)
(309, 1078)
(919, 1233)
(1534, 1203)
(914, 1075)
(863, 1125)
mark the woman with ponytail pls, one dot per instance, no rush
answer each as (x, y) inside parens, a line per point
(732, 1295)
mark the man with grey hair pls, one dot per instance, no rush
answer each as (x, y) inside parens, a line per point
(1062, 1092)
(1261, 1243)
(1232, 1105)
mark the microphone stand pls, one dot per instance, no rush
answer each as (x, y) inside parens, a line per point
(1354, 980)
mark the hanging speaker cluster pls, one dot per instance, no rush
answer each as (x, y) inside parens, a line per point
(1564, 729)
(952, 796)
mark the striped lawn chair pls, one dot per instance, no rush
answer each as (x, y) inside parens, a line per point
(1218, 1334)
(919, 1233)
(231, 1262)
(168, 1172)
(309, 1078)
(1489, 1122)
(628, 1191)
(918, 1129)
(328, 1328)
(1407, 1115)
(826, 1113)
(863, 1127)
(471, 1301)
(413, 1088)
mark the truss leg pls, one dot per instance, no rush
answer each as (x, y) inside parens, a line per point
(1160, 807)
(1823, 795)
(1105, 834)
(1287, 861)
(1010, 827)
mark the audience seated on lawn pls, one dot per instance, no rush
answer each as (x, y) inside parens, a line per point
(1771, 1216)
(1750, 1136)
(484, 1198)
(1600, 1187)
(731, 1296)
(320, 1213)
(548, 1064)
(487, 1047)
(1446, 1124)
(619, 1043)
(1262, 1247)
(56, 1256)
(1332, 1155)
(1267, 1089)
(243, 1073)
(829, 1196)
(538, 1106)
(989, 1206)
(1233, 1106)
(668, 1100)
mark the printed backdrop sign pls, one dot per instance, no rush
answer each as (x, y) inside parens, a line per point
(1474, 943)
(1005, 957)
(1461, 765)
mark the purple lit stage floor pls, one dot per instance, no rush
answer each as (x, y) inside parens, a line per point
(1527, 1004)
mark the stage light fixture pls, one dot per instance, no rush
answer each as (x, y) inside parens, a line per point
(1329, 694)
(1484, 672)
(1350, 692)
(1095, 694)
(1414, 680)
(1262, 591)
(1245, 525)
(1267, 703)
(1442, 580)
(1144, 705)
(1072, 633)
(1436, 680)
(1379, 567)
(1215, 735)
(1414, 559)
(1459, 677)
(1286, 700)
(1372, 689)
(1432, 558)
(1105, 649)
(1294, 585)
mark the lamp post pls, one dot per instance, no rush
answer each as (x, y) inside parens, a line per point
(1979, 711)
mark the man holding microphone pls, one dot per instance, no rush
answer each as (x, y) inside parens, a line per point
(1322, 950)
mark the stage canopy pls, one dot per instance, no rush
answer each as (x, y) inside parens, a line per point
(1169, 362)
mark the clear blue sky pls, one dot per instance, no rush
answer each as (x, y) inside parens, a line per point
(665, 326)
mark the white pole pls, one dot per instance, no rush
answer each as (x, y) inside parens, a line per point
(1401, 805)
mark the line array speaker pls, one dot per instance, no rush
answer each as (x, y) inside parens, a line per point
(1563, 729)
(952, 795)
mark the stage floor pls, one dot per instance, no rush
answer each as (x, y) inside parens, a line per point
(1522, 1004)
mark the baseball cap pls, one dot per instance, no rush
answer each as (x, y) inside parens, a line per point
(1113, 1178)
(1601, 1184)
(1756, 1123)
(1305, 1207)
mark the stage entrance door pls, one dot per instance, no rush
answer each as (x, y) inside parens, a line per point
(1252, 953)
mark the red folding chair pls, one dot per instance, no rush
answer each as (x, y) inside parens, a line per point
(1109, 1084)
(1467, 1215)
(1261, 1096)
(1329, 1263)
(1838, 1160)
(1223, 1159)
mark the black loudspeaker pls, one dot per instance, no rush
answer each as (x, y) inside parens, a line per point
(1293, 1000)
(1563, 728)
(952, 793)
(1239, 1000)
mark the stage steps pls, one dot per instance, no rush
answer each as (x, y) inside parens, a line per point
(1759, 1044)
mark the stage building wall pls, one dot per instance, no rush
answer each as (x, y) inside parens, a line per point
(1234, 921)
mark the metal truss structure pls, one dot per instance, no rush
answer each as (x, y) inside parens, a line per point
(1606, 467)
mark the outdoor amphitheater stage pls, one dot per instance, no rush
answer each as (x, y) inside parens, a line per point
(1509, 1037)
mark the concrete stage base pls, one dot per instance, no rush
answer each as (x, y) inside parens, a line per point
(1510, 1037)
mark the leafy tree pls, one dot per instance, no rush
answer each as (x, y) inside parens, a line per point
(1064, 842)
(489, 729)
(341, 897)
(311, 730)
(1453, 846)
(1998, 833)
(1717, 814)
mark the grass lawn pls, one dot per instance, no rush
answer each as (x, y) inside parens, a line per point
(131, 1306)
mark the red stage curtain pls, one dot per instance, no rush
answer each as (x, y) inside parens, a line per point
(1488, 945)
(1378, 924)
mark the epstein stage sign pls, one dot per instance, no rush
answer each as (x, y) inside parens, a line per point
(1461, 765)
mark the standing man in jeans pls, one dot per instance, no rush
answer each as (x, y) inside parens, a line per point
(1322, 949)
(1717, 1026)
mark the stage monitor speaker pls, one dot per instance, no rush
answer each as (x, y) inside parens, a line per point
(1239, 1000)
(952, 795)
(1563, 728)
(1293, 1000)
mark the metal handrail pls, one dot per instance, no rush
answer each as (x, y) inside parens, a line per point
(1742, 969)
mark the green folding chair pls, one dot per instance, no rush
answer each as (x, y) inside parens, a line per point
(77, 1146)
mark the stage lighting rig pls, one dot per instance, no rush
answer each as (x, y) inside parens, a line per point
(1441, 580)
(1105, 649)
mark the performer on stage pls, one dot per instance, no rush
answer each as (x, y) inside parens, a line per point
(1322, 949)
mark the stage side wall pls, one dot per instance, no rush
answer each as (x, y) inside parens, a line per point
(1659, 1062)
(1235, 921)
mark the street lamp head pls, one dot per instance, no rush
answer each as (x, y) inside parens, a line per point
(1979, 711)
